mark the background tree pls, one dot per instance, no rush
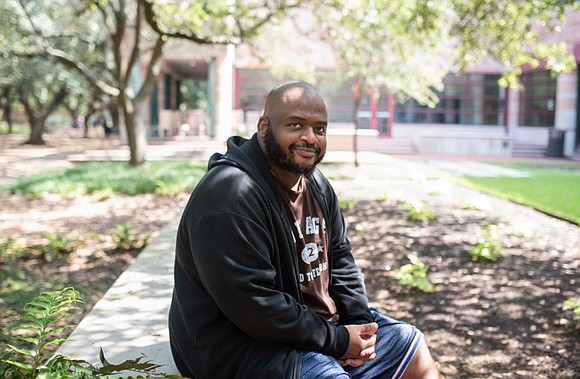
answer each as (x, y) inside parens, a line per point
(132, 34)
(41, 89)
(407, 47)
(40, 85)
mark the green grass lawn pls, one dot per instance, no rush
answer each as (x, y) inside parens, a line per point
(110, 178)
(552, 187)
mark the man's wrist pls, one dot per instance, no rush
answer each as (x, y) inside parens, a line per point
(343, 339)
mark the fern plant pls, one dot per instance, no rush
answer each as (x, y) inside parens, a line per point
(414, 275)
(41, 322)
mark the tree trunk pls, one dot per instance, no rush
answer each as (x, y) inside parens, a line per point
(37, 118)
(136, 130)
(86, 125)
(36, 131)
(6, 104)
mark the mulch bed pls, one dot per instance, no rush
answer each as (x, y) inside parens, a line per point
(485, 320)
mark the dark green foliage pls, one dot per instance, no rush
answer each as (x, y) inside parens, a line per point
(41, 323)
(414, 275)
(489, 247)
(160, 177)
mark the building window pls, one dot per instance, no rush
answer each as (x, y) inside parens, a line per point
(471, 99)
(538, 99)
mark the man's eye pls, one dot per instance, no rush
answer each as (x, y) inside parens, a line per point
(321, 130)
(295, 125)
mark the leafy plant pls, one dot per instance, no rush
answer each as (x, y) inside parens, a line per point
(346, 205)
(419, 212)
(104, 194)
(489, 247)
(382, 197)
(10, 247)
(572, 304)
(468, 206)
(42, 320)
(57, 245)
(53, 246)
(414, 275)
(170, 189)
(125, 237)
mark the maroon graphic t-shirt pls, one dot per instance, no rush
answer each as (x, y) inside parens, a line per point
(309, 231)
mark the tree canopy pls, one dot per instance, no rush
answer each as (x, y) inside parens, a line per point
(399, 46)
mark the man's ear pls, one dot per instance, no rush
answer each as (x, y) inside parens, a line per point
(262, 125)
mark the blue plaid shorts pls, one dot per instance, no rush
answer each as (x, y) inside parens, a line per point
(397, 343)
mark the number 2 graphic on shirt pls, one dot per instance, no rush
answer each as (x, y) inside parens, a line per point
(310, 253)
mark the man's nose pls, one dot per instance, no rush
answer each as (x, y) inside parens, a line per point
(309, 135)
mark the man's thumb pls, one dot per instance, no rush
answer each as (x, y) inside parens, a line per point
(369, 329)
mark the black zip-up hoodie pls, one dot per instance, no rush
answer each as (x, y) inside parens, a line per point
(237, 309)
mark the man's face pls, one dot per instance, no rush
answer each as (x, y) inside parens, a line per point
(298, 158)
(295, 135)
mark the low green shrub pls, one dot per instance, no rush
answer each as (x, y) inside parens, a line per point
(107, 179)
(489, 247)
(419, 212)
(414, 275)
(573, 304)
(346, 205)
(126, 238)
(51, 247)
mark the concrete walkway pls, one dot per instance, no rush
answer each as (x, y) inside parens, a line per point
(130, 320)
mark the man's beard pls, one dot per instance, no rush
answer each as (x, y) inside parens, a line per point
(284, 159)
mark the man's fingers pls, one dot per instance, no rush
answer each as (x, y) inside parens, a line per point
(367, 352)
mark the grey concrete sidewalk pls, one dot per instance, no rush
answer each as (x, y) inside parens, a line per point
(130, 320)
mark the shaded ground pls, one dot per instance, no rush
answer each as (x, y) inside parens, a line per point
(90, 228)
(485, 320)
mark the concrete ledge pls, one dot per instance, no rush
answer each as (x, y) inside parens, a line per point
(130, 320)
(343, 139)
(466, 145)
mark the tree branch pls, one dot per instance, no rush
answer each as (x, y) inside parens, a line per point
(71, 62)
(150, 75)
(151, 19)
(136, 50)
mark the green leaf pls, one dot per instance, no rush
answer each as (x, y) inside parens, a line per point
(26, 352)
(20, 365)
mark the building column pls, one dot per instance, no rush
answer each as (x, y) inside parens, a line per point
(224, 94)
(565, 115)
(512, 112)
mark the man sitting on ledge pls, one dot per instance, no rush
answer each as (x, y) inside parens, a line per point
(265, 283)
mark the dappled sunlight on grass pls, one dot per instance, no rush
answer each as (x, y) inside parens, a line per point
(107, 178)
